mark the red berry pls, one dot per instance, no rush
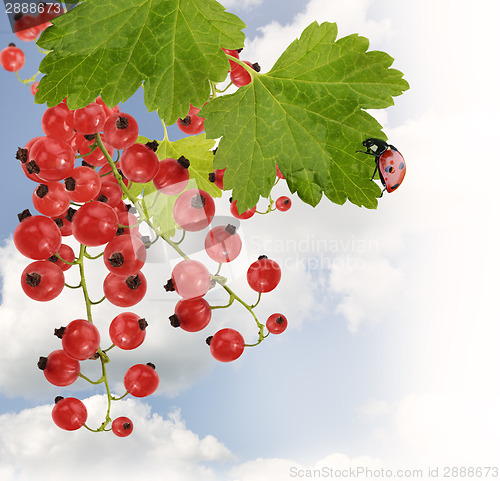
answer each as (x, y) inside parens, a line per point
(37, 237)
(191, 279)
(193, 315)
(90, 119)
(125, 291)
(54, 157)
(141, 380)
(27, 28)
(191, 124)
(57, 122)
(193, 210)
(239, 75)
(217, 177)
(80, 339)
(125, 255)
(127, 330)
(172, 176)
(283, 203)
(69, 413)
(263, 275)
(122, 426)
(95, 224)
(34, 88)
(59, 369)
(276, 323)
(227, 345)
(83, 184)
(42, 281)
(139, 163)
(121, 130)
(12, 58)
(244, 215)
(67, 253)
(50, 199)
(223, 244)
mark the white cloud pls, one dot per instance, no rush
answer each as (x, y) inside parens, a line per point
(240, 4)
(32, 447)
(275, 469)
(351, 17)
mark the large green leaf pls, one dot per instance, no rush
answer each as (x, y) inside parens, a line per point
(159, 206)
(111, 47)
(307, 116)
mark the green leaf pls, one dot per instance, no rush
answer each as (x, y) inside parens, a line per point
(110, 48)
(307, 116)
(159, 206)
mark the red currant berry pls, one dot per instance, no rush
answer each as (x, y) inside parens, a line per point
(276, 323)
(42, 281)
(191, 124)
(34, 88)
(27, 28)
(217, 177)
(244, 215)
(194, 210)
(59, 369)
(226, 345)
(233, 53)
(223, 244)
(50, 199)
(69, 414)
(191, 279)
(192, 315)
(67, 253)
(90, 119)
(125, 291)
(111, 191)
(54, 157)
(80, 339)
(12, 58)
(240, 76)
(141, 380)
(121, 130)
(63, 223)
(125, 255)
(127, 330)
(172, 176)
(139, 163)
(28, 168)
(57, 122)
(263, 275)
(37, 237)
(95, 224)
(278, 173)
(122, 427)
(83, 184)
(283, 203)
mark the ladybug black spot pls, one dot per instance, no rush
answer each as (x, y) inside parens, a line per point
(401, 165)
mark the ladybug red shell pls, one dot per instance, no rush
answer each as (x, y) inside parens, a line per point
(390, 164)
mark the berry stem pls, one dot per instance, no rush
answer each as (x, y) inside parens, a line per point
(28, 80)
(137, 204)
(99, 381)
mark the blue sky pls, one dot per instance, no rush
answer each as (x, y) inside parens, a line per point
(391, 352)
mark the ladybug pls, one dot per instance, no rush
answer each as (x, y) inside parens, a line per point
(390, 164)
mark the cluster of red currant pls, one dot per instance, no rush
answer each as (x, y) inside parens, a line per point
(88, 203)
